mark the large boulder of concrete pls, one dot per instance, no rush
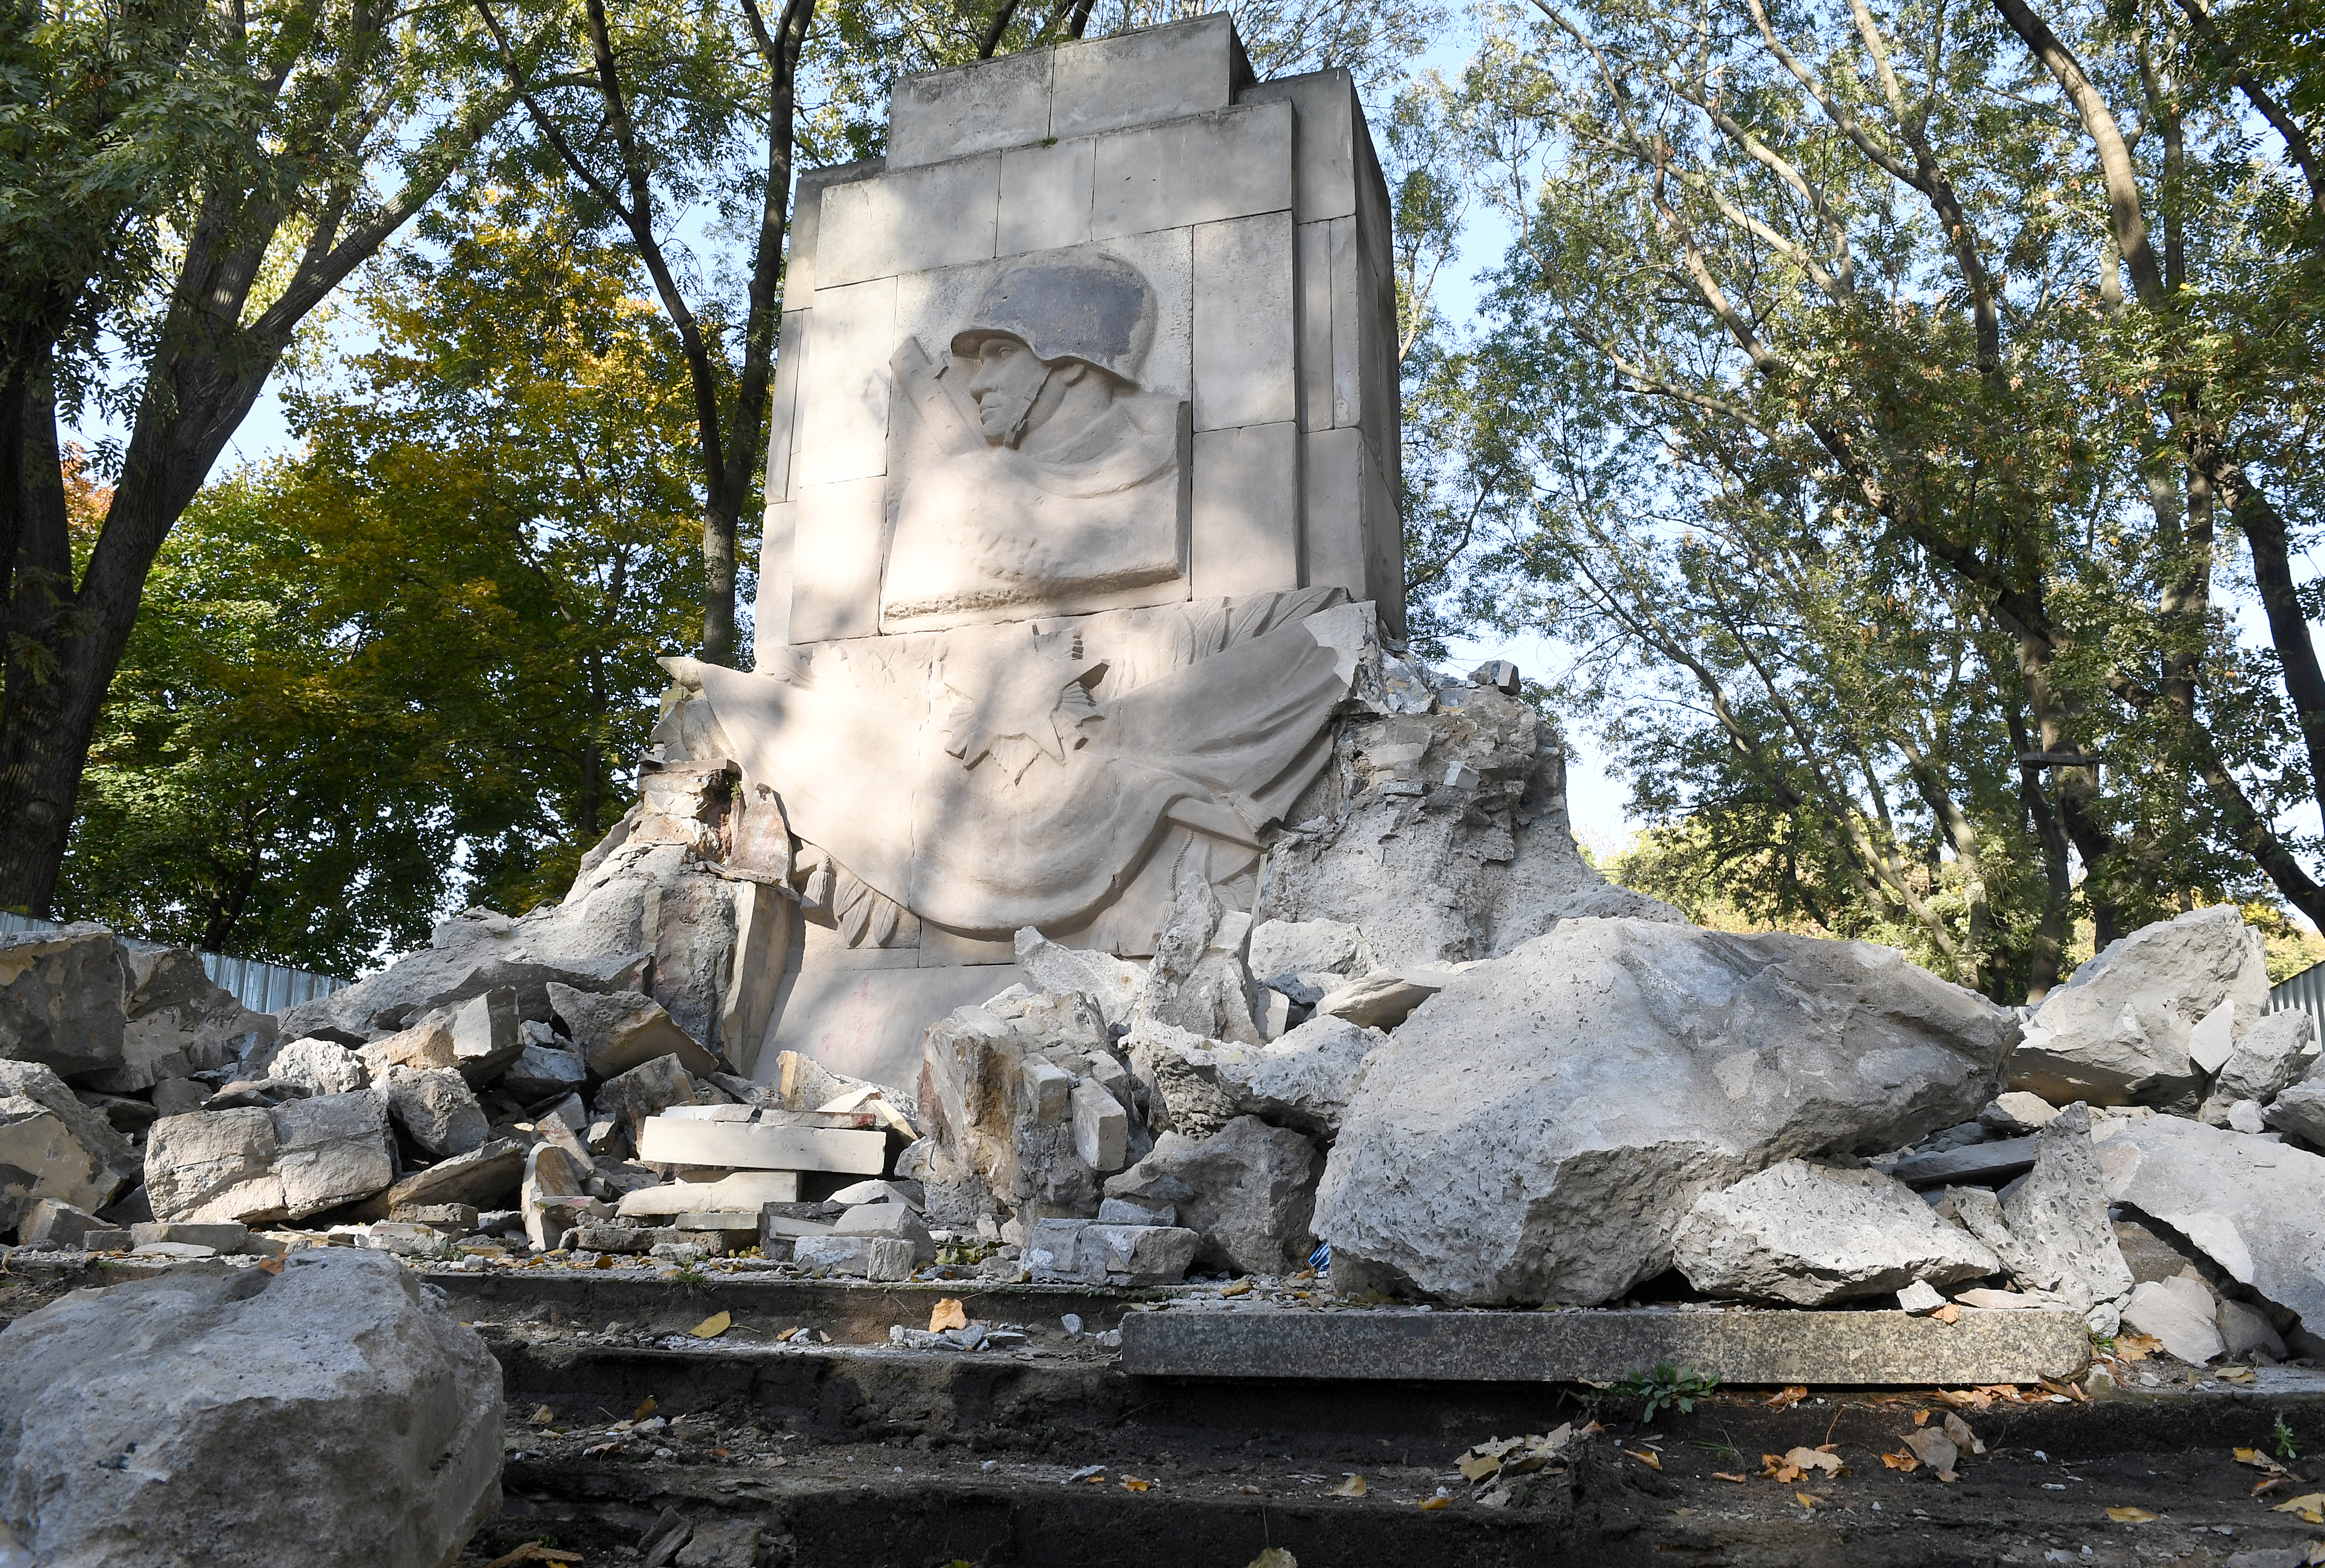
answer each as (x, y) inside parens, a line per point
(1443, 836)
(1304, 959)
(2053, 1232)
(335, 1412)
(51, 1145)
(178, 1021)
(2270, 1058)
(996, 1093)
(1248, 1190)
(2249, 1202)
(616, 1031)
(1538, 1129)
(255, 1164)
(437, 1111)
(63, 998)
(2118, 1032)
(1197, 981)
(1810, 1235)
(1303, 1080)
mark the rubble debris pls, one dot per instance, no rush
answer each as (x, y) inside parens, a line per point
(186, 1417)
(320, 1066)
(1124, 1256)
(2247, 1203)
(1810, 1235)
(2052, 1231)
(1972, 1162)
(2266, 1061)
(63, 1002)
(2180, 1313)
(485, 1178)
(1303, 959)
(437, 1109)
(761, 1144)
(2299, 1111)
(2017, 1113)
(1247, 1190)
(647, 1090)
(742, 1190)
(1383, 999)
(871, 1257)
(51, 1145)
(615, 1030)
(1112, 984)
(1197, 980)
(2117, 1033)
(542, 1070)
(997, 1088)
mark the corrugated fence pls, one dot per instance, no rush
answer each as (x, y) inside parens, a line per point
(261, 987)
(2305, 991)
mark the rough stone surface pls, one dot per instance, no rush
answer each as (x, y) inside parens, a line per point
(996, 1093)
(2017, 1113)
(2117, 1033)
(51, 1145)
(324, 1066)
(1537, 1131)
(331, 1149)
(486, 1179)
(2248, 1204)
(437, 1111)
(1113, 984)
(1810, 1235)
(2299, 1112)
(178, 1020)
(2052, 1231)
(194, 1417)
(1432, 871)
(1383, 999)
(213, 1165)
(1291, 955)
(616, 1031)
(63, 998)
(2180, 1312)
(540, 1072)
(2244, 1329)
(1303, 1080)
(1197, 981)
(2268, 1058)
(649, 1089)
(1175, 1068)
(1248, 1190)
(1093, 1252)
(871, 1257)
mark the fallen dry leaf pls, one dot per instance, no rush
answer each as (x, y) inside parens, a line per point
(789, 1334)
(2136, 1347)
(1273, 1557)
(1476, 1467)
(1131, 1483)
(1431, 1505)
(1785, 1398)
(1354, 1487)
(2132, 1515)
(534, 1552)
(1948, 1314)
(1806, 1500)
(1251, 1491)
(1774, 1467)
(2269, 1483)
(2309, 1507)
(2259, 1461)
(1904, 1460)
(270, 1265)
(1958, 1434)
(1650, 1461)
(1933, 1448)
(1723, 1475)
(2235, 1375)
(544, 1416)
(1921, 1417)
(1240, 1288)
(946, 1313)
(644, 1409)
(711, 1327)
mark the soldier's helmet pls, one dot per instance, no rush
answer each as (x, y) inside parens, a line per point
(1087, 306)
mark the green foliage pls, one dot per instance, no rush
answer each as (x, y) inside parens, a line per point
(2280, 1440)
(407, 671)
(1665, 1387)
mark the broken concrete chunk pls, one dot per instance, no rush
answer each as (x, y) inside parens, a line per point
(1920, 1299)
(56, 1226)
(2270, 1056)
(1810, 1235)
(1286, 954)
(331, 1149)
(647, 1090)
(872, 1257)
(745, 1190)
(2180, 1312)
(2017, 1113)
(51, 1145)
(615, 1031)
(424, 1046)
(892, 1220)
(322, 1066)
(1248, 1191)
(1974, 1162)
(177, 1096)
(1049, 1090)
(1197, 981)
(336, 1394)
(1304, 1081)
(485, 1038)
(1091, 1253)
(1101, 1127)
(1177, 1071)
(63, 998)
(1112, 984)
(486, 1179)
(542, 1070)
(2299, 1113)
(2249, 1204)
(1383, 999)
(215, 1165)
(2057, 1217)
(2244, 1329)
(1538, 1130)
(550, 1176)
(749, 1145)
(220, 1236)
(437, 1109)
(994, 1147)
(2118, 1032)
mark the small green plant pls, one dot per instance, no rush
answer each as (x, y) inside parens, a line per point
(689, 1277)
(1666, 1389)
(966, 1254)
(2281, 1439)
(2102, 1345)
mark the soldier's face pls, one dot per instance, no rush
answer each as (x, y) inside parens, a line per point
(1005, 379)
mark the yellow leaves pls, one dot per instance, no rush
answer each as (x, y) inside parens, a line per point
(1431, 1505)
(711, 1327)
(1240, 1288)
(1131, 1483)
(1354, 1487)
(946, 1313)
(2258, 1461)
(645, 1409)
(2132, 1515)
(1904, 1459)
(1785, 1398)
(1800, 1462)
(1652, 1460)
(2309, 1507)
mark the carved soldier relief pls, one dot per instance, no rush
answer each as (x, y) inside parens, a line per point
(1047, 482)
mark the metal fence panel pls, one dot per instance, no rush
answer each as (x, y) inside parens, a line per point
(2305, 991)
(260, 987)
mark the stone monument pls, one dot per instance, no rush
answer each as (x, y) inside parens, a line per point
(1082, 522)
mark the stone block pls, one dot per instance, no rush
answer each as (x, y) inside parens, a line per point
(437, 1111)
(1247, 511)
(485, 1038)
(1157, 73)
(215, 1165)
(225, 1236)
(63, 998)
(1246, 329)
(486, 1179)
(177, 1096)
(1049, 1090)
(1208, 169)
(807, 218)
(1124, 1256)
(1336, 474)
(615, 1031)
(2249, 1204)
(871, 1257)
(1327, 125)
(1249, 1191)
(1810, 1235)
(2181, 1313)
(784, 411)
(541, 1071)
(907, 220)
(1045, 197)
(323, 1066)
(1998, 1160)
(1383, 999)
(851, 333)
(972, 108)
(741, 1146)
(841, 528)
(56, 1226)
(332, 1150)
(1101, 1127)
(1824, 1350)
(893, 1220)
